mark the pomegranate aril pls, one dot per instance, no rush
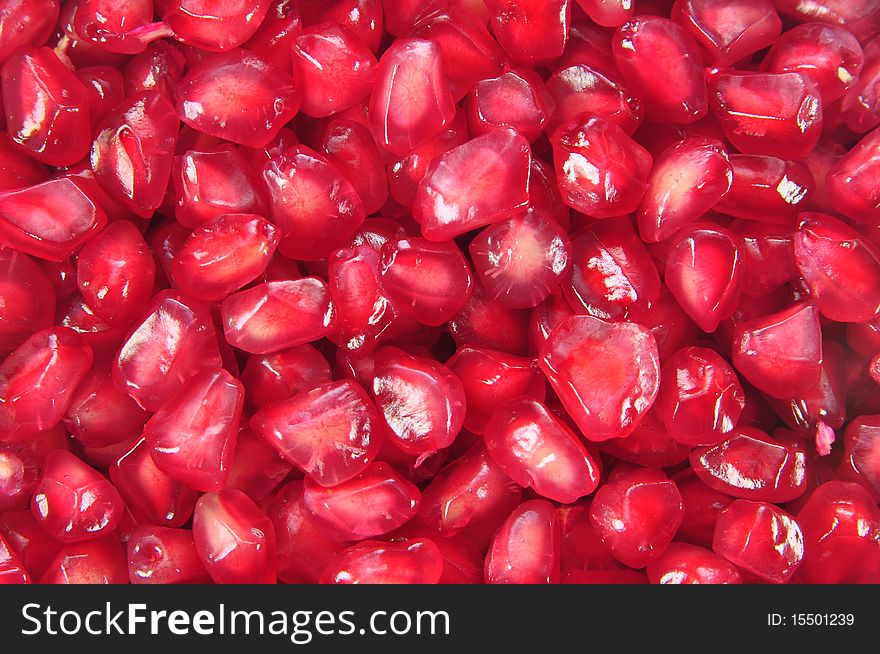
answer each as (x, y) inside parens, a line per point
(781, 353)
(121, 27)
(280, 375)
(688, 178)
(760, 539)
(767, 189)
(858, 16)
(96, 561)
(351, 146)
(17, 169)
(12, 571)
(860, 106)
(375, 502)
(234, 539)
(209, 184)
(850, 181)
(160, 555)
(538, 450)
(526, 548)
(47, 110)
(50, 220)
(607, 374)
(26, 22)
(600, 170)
(152, 496)
(363, 17)
(277, 315)
(861, 456)
(677, 96)
(410, 101)
(840, 524)
(637, 516)
(27, 299)
(468, 51)
(174, 340)
(19, 474)
(776, 114)
(485, 322)
(729, 32)
(257, 468)
(682, 563)
(159, 67)
(373, 562)
(332, 432)
(520, 261)
(515, 99)
(214, 25)
(581, 88)
(530, 31)
(422, 401)
(74, 502)
(238, 97)
(314, 205)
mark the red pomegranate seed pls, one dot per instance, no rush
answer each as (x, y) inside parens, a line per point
(468, 51)
(25, 22)
(159, 67)
(50, 220)
(152, 496)
(12, 571)
(520, 261)
(600, 170)
(74, 502)
(751, 465)
(490, 378)
(485, 322)
(525, 550)
(530, 31)
(373, 562)
(760, 539)
(17, 169)
(851, 188)
(363, 17)
(303, 551)
(375, 502)
(861, 459)
(332, 432)
(841, 269)
(688, 179)
(237, 96)
(213, 26)
(515, 99)
(702, 505)
(682, 563)
(174, 340)
(97, 561)
(677, 96)
(777, 114)
(19, 473)
(607, 374)
(767, 189)
(234, 539)
(410, 101)
(334, 68)
(115, 274)
(648, 445)
(729, 32)
(121, 27)
(47, 111)
(860, 106)
(581, 88)
(768, 255)
(607, 13)
(781, 353)
(858, 16)
(27, 299)
(210, 184)
(430, 282)
(637, 516)
(536, 449)
(280, 375)
(160, 555)
(701, 399)
(351, 146)
(840, 526)
(422, 401)
(312, 202)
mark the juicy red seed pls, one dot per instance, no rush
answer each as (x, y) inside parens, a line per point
(679, 95)
(281, 375)
(767, 189)
(160, 555)
(538, 450)
(760, 539)
(277, 315)
(422, 400)
(530, 31)
(96, 561)
(351, 146)
(525, 550)
(682, 563)
(234, 539)
(375, 502)
(862, 452)
(332, 432)
(23, 23)
(481, 182)
(850, 185)
(515, 99)
(237, 96)
(606, 374)
(27, 298)
(74, 502)
(372, 562)
(216, 26)
(600, 170)
(637, 516)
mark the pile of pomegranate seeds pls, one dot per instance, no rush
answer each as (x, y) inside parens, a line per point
(457, 291)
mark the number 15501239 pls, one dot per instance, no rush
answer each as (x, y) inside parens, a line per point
(811, 620)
